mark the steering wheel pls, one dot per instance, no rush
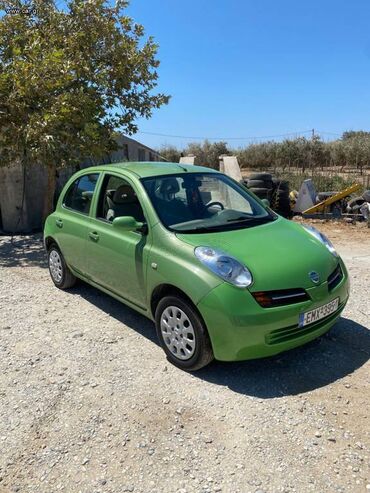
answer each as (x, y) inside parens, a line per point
(211, 204)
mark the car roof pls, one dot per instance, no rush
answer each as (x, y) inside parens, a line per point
(145, 169)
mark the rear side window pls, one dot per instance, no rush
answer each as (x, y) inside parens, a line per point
(80, 193)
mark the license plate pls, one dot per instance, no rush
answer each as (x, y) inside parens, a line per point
(318, 313)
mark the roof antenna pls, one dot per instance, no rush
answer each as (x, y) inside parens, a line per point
(184, 169)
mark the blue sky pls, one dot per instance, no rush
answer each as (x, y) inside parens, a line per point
(257, 68)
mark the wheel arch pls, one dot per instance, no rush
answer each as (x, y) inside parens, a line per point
(163, 290)
(48, 241)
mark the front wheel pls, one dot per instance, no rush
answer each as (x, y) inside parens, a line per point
(182, 334)
(60, 274)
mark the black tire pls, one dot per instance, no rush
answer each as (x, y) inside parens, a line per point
(324, 195)
(260, 184)
(355, 204)
(282, 200)
(66, 279)
(262, 193)
(281, 193)
(281, 185)
(280, 203)
(261, 176)
(255, 183)
(285, 212)
(203, 353)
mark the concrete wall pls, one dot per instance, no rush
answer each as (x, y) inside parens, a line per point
(17, 219)
(130, 150)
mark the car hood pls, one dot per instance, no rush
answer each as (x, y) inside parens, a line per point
(280, 254)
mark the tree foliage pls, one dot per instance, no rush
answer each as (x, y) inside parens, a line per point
(70, 78)
(350, 151)
(207, 153)
(170, 153)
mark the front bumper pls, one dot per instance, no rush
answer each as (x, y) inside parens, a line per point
(241, 329)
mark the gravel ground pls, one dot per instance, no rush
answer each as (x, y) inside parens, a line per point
(88, 402)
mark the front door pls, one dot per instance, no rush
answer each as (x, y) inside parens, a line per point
(118, 259)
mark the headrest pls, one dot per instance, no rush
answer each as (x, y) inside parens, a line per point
(124, 195)
(169, 185)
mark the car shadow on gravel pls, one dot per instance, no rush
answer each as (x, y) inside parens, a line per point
(22, 251)
(117, 310)
(321, 362)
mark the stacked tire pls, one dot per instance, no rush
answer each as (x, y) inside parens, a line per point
(280, 201)
(354, 205)
(260, 184)
(265, 186)
(324, 195)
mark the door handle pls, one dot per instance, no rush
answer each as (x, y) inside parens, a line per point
(59, 223)
(94, 235)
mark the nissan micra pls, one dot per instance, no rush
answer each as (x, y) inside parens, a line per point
(220, 274)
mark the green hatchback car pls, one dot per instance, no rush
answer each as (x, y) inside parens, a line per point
(220, 274)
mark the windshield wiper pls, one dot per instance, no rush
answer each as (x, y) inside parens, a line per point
(201, 229)
(227, 226)
(250, 219)
(240, 218)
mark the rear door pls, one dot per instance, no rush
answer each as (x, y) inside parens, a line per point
(72, 220)
(118, 259)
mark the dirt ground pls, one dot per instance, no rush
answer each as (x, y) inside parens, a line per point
(88, 402)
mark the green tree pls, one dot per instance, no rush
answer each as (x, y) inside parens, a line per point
(350, 134)
(260, 156)
(170, 153)
(69, 79)
(207, 153)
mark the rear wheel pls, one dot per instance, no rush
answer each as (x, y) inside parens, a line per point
(182, 334)
(60, 274)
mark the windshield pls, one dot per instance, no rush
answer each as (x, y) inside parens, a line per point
(203, 202)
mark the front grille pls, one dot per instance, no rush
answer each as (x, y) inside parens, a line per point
(335, 278)
(270, 299)
(294, 332)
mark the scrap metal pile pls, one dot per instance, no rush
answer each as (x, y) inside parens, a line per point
(347, 202)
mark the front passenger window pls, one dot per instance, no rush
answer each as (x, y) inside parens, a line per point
(80, 193)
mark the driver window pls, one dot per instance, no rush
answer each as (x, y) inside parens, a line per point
(118, 198)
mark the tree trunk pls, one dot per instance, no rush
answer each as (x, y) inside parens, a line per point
(49, 194)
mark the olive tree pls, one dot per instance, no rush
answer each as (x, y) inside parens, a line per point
(70, 78)
(170, 153)
(207, 153)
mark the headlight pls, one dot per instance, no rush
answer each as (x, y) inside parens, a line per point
(321, 237)
(224, 266)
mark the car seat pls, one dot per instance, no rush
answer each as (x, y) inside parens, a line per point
(172, 209)
(124, 202)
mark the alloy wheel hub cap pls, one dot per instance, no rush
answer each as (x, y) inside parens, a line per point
(178, 332)
(55, 265)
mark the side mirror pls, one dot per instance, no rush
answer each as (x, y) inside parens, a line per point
(266, 202)
(128, 223)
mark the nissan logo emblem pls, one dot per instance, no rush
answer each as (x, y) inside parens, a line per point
(314, 276)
